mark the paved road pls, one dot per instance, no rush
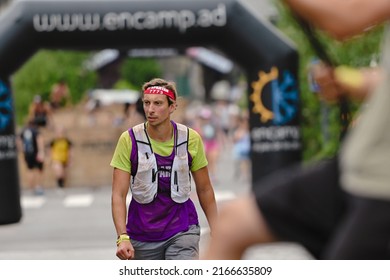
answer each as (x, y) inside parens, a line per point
(77, 224)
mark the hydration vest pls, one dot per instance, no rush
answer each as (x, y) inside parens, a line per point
(144, 186)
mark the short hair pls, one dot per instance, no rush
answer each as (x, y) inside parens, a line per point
(158, 82)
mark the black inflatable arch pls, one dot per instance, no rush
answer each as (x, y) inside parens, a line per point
(269, 60)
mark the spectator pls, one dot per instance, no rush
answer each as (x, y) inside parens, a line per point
(40, 112)
(59, 95)
(61, 154)
(211, 136)
(33, 147)
(241, 148)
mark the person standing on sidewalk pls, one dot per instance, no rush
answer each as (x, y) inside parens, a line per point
(155, 160)
(339, 208)
(33, 147)
(40, 112)
(60, 155)
(60, 95)
(211, 136)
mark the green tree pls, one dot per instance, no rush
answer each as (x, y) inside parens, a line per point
(44, 69)
(357, 52)
(137, 71)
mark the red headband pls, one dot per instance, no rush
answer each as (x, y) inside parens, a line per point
(160, 90)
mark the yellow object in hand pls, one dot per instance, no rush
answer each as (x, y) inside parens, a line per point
(349, 76)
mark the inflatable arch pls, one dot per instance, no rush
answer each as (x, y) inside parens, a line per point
(269, 60)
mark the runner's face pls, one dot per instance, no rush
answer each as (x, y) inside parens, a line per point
(157, 109)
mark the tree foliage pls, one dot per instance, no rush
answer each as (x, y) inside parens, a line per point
(137, 71)
(320, 121)
(44, 69)
(47, 67)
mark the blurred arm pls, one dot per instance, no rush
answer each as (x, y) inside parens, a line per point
(206, 195)
(353, 83)
(41, 148)
(342, 18)
(239, 226)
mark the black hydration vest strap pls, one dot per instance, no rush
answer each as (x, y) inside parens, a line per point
(319, 49)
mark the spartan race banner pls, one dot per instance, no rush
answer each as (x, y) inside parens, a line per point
(232, 26)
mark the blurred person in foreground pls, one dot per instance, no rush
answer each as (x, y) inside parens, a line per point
(155, 160)
(338, 208)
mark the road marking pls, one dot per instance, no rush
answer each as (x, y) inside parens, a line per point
(224, 195)
(85, 200)
(219, 196)
(79, 200)
(32, 202)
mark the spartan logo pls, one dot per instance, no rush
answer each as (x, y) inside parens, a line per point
(5, 106)
(284, 99)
